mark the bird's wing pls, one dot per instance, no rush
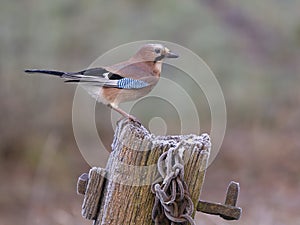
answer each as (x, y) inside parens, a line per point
(139, 70)
(134, 70)
(104, 78)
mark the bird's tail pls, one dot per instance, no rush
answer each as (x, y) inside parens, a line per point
(49, 72)
(84, 77)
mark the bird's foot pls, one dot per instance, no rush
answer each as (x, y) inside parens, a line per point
(133, 119)
(125, 114)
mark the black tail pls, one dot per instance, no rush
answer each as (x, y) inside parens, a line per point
(50, 72)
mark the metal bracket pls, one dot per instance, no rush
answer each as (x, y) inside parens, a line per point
(227, 211)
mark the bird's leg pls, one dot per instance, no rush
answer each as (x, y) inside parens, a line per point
(122, 112)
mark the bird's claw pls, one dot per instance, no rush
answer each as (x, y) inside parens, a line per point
(134, 119)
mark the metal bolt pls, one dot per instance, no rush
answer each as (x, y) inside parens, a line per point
(227, 211)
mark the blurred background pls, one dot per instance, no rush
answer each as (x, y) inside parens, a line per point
(253, 48)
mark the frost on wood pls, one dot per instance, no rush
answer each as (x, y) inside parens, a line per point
(126, 197)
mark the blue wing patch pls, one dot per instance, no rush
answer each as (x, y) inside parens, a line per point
(128, 83)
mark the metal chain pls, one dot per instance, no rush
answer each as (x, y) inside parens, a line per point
(173, 204)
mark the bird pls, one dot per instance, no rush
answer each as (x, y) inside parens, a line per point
(125, 81)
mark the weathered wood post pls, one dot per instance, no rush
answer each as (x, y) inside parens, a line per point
(122, 193)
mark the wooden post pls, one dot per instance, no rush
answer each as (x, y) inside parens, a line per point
(126, 196)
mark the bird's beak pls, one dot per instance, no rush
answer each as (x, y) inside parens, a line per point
(170, 54)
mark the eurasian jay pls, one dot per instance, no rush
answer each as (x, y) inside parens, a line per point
(124, 81)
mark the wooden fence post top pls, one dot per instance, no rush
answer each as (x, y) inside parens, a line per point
(136, 131)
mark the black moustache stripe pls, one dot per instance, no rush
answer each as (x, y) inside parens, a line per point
(158, 58)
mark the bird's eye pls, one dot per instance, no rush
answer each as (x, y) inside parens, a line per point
(157, 50)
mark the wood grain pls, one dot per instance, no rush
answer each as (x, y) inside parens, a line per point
(131, 169)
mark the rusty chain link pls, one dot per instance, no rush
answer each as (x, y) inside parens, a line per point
(173, 204)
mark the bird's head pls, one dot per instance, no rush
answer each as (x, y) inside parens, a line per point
(154, 53)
